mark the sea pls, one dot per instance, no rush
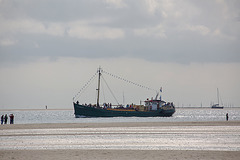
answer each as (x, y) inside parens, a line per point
(210, 138)
(67, 116)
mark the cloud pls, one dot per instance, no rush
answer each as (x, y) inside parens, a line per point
(116, 3)
(157, 31)
(152, 6)
(172, 10)
(30, 26)
(79, 29)
(201, 29)
(82, 30)
(7, 42)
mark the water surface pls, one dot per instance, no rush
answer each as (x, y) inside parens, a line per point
(67, 116)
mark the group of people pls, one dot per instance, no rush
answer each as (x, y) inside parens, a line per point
(107, 105)
(4, 119)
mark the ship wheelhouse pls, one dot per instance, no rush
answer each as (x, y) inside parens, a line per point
(154, 104)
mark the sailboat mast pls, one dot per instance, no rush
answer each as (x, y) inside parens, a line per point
(218, 95)
(98, 89)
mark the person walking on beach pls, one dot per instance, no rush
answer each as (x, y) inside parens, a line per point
(5, 119)
(2, 119)
(11, 118)
(227, 117)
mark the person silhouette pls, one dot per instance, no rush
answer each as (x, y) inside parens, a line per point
(227, 117)
(5, 119)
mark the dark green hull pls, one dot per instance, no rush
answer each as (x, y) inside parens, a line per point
(86, 111)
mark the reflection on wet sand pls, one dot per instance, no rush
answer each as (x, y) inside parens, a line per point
(218, 138)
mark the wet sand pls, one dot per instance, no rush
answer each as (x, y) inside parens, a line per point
(117, 155)
(117, 124)
(98, 154)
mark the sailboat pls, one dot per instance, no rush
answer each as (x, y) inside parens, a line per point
(152, 108)
(217, 106)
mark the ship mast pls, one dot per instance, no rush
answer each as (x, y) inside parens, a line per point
(218, 96)
(98, 89)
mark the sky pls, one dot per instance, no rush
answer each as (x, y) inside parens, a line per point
(49, 50)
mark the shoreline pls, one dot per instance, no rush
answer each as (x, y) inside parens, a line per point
(116, 124)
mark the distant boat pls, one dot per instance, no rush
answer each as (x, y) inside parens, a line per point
(152, 108)
(217, 106)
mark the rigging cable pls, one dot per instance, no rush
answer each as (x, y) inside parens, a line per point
(110, 91)
(123, 79)
(84, 87)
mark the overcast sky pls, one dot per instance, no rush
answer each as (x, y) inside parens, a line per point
(49, 49)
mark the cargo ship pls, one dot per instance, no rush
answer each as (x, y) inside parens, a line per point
(151, 108)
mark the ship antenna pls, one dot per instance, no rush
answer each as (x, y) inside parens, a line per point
(98, 89)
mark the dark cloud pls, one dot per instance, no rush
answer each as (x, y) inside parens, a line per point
(163, 31)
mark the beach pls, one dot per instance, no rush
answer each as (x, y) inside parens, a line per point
(117, 155)
(118, 124)
(127, 140)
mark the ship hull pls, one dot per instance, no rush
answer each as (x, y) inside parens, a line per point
(86, 111)
(217, 106)
(213, 107)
